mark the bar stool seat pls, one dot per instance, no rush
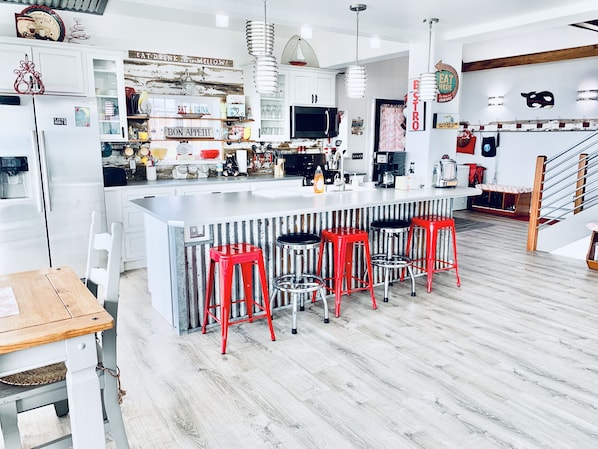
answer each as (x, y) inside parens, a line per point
(299, 283)
(227, 256)
(390, 260)
(343, 239)
(430, 263)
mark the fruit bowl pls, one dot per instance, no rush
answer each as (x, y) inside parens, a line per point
(209, 154)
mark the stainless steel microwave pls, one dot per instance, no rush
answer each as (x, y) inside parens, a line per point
(313, 122)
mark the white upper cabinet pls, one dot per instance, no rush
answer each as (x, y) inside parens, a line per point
(62, 70)
(311, 87)
(12, 55)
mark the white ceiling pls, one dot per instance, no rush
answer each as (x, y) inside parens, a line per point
(394, 20)
(400, 21)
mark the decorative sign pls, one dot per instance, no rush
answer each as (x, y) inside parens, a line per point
(415, 110)
(183, 132)
(357, 126)
(445, 121)
(39, 22)
(537, 100)
(448, 82)
(159, 77)
(167, 57)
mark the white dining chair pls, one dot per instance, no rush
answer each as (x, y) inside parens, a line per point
(103, 277)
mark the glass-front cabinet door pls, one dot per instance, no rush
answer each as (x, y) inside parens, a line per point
(274, 114)
(109, 90)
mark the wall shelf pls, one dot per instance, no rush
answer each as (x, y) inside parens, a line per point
(189, 117)
(539, 125)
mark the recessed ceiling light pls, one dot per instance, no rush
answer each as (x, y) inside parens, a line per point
(221, 21)
(306, 32)
(375, 42)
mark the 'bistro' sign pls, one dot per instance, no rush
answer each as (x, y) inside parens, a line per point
(167, 57)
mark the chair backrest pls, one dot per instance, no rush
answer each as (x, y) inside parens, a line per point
(104, 261)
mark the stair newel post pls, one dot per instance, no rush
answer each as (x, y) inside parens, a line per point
(580, 184)
(536, 204)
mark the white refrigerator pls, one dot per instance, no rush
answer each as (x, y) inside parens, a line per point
(50, 181)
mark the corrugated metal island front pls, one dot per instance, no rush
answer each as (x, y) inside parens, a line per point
(180, 231)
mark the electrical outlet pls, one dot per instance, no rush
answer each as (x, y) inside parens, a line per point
(356, 156)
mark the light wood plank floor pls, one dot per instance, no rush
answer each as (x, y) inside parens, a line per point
(508, 360)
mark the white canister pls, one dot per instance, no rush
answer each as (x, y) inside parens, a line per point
(151, 173)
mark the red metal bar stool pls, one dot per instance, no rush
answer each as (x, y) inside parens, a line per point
(430, 264)
(343, 239)
(228, 256)
(390, 259)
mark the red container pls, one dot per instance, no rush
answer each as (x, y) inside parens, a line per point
(209, 154)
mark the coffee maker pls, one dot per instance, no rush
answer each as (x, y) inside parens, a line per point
(387, 165)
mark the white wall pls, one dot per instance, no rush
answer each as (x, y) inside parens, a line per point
(387, 80)
(426, 147)
(516, 156)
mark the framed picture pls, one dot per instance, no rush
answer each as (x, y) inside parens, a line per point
(357, 126)
(445, 120)
(390, 125)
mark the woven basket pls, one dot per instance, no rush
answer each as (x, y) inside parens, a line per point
(38, 376)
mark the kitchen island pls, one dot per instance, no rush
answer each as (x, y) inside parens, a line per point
(181, 229)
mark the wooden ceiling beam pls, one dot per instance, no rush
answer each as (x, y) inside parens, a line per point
(586, 51)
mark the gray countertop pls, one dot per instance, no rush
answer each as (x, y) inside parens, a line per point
(200, 181)
(225, 207)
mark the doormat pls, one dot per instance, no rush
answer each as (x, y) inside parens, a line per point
(465, 224)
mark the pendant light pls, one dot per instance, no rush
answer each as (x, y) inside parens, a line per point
(428, 88)
(260, 44)
(356, 77)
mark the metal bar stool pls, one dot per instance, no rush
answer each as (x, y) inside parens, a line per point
(390, 260)
(343, 239)
(299, 283)
(227, 256)
(431, 264)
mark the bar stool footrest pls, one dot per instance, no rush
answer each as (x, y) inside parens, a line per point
(307, 283)
(393, 261)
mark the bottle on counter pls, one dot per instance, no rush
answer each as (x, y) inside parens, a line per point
(319, 180)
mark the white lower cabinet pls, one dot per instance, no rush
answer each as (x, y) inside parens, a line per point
(119, 209)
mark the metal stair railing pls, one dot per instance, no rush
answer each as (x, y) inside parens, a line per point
(564, 184)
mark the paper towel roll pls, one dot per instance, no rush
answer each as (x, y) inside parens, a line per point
(242, 160)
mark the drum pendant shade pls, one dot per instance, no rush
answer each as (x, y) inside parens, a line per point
(355, 76)
(260, 44)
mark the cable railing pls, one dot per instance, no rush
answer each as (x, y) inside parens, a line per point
(564, 185)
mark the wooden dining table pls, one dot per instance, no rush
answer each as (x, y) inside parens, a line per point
(56, 321)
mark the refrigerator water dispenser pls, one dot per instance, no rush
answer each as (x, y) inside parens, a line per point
(12, 177)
